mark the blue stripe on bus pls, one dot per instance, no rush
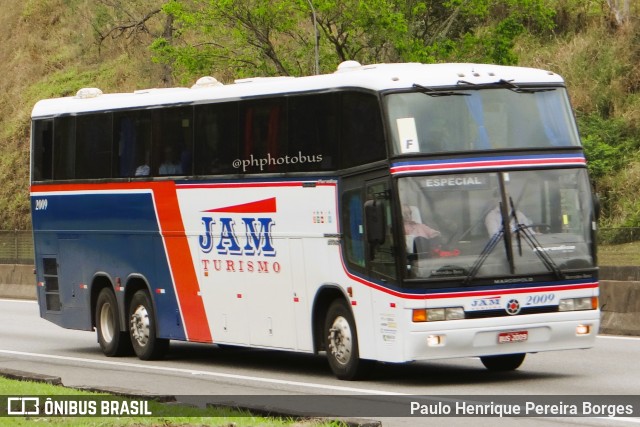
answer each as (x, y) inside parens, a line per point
(113, 233)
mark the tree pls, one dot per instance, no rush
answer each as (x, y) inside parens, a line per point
(276, 37)
(237, 37)
(135, 22)
(620, 11)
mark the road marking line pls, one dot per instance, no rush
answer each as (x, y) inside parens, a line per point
(203, 373)
(618, 337)
(18, 300)
(245, 377)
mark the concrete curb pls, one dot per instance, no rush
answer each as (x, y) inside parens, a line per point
(620, 307)
(17, 281)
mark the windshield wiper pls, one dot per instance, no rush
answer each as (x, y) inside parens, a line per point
(523, 230)
(486, 251)
(538, 250)
(509, 84)
(434, 92)
(515, 88)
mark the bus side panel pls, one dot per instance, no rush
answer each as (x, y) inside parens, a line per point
(251, 244)
(83, 233)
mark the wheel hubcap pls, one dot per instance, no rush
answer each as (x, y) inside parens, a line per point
(106, 322)
(140, 326)
(340, 341)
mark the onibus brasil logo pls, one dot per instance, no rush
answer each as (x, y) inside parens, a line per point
(238, 239)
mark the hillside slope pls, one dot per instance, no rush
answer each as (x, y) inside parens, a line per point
(51, 48)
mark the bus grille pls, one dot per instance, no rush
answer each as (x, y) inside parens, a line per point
(502, 313)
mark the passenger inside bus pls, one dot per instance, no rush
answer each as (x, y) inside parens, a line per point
(169, 166)
(493, 221)
(144, 169)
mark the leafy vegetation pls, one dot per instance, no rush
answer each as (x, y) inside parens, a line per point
(54, 47)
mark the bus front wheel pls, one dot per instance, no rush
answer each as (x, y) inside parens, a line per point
(503, 363)
(112, 341)
(342, 344)
(142, 328)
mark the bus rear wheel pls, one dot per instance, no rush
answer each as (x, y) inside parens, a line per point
(503, 363)
(342, 344)
(142, 328)
(112, 341)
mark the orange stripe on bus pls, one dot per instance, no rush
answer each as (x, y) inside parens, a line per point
(181, 264)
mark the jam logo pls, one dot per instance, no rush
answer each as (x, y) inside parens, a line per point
(239, 239)
(252, 237)
(486, 303)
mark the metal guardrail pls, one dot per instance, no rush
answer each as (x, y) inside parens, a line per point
(16, 246)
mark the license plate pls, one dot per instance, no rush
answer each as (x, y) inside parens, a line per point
(509, 337)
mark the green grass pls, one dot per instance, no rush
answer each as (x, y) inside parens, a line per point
(624, 254)
(164, 415)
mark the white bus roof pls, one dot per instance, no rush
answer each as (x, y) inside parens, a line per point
(350, 74)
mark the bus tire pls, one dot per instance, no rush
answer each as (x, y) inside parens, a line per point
(503, 363)
(142, 328)
(342, 343)
(112, 341)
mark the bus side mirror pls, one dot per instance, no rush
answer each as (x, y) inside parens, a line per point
(375, 224)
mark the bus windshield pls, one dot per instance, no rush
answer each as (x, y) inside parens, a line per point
(429, 121)
(453, 224)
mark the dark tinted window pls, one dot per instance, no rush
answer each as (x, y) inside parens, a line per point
(297, 133)
(173, 141)
(94, 146)
(313, 132)
(362, 138)
(42, 151)
(216, 138)
(132, 139)
(64, 141)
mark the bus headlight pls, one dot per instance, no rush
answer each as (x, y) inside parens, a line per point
(576, 304)
(437, 314)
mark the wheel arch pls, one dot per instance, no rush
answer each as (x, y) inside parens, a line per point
(325, 296)
(99, 282)
(135, 283)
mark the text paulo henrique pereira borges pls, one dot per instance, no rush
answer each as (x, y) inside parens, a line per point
(527, 408)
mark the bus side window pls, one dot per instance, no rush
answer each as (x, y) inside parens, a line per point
(216, 138)
(361, 139)
(353, 220)
(94, 155)
(64, 151)
(382, 255)
(173, 148)
(313, 139)
(125, 132)
(264, 135)
(42, 150)
(133, 134)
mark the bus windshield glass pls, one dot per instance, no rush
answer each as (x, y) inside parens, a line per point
(453, 224)
(430, 121)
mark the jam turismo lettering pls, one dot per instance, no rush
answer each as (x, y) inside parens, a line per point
(254, 241)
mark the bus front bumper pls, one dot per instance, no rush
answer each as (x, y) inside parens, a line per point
(505, 335)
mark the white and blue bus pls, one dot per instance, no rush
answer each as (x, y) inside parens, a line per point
(362, 214)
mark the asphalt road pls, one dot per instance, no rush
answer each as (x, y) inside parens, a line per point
(28, 343)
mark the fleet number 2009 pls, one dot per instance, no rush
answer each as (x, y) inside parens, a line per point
(41, 204)
(540, 299)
